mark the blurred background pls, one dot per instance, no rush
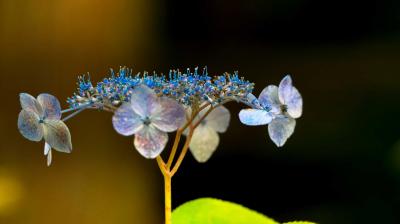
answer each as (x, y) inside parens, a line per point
(342, 165)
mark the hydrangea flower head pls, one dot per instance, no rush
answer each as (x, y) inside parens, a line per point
(149, 106)
(149, 118)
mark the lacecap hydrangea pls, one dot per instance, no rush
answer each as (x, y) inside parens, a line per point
(148, 106)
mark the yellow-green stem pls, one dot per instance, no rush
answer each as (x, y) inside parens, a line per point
(166, 167)
(168, 197)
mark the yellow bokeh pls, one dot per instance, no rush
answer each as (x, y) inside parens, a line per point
(10, 193)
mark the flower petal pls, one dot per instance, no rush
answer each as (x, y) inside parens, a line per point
(57, 135)
(255, 117)
(169, 116)
(291, 97)
(269, 98)
(144, 100)
(47, 148)
(252, 100)
(280, 129)
(50, 105)
(29, 126)
(204, 142)
(49, 158)
(126, 121)
(218, 119)
(29, 103)
(150, 141)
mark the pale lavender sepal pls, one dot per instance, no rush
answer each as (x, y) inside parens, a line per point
(126, 121)
(29, 103)
(280, 129)
(57, 135)
(218, 119)
(290, 96)
(29, 126)
(254, 117)
(51, 106)
(285, 89)
(204, 142)
(144, 101)
(170, 116)
(150, 141)
(295, 104)
(269, 98)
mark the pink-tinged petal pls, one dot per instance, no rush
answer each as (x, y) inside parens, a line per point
(150, 141)
(280, 129)
(269, 98)
(29, 126)
(29, 103)
(218, 119)
(291, 97)
(204, 142)
(254, 117)
(169, 116)
(144, 100)
(57, 135)
(126, 121)
(51, 106)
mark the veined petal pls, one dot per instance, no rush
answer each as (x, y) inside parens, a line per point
(295, 104)
(150, 142)
(29, 103)
(169, 116)
(204, 142)
(218, 119)
(51, 106)
(29, 126)
(280, 129)
(285, 89)
(269, 98)
(57, 135)
(255, 117)
(126, 121)
(291, 97)
(144, 100)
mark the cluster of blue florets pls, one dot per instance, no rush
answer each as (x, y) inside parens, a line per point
(187, 88)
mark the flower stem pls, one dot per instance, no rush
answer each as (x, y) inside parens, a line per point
(166, 167)
(167, 189)
(168, 204)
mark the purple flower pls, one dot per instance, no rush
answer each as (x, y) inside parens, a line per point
(40, 118)
(285, 104)
(149, 118)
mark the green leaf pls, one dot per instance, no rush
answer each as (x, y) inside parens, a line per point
(299, 222)
(215, 211)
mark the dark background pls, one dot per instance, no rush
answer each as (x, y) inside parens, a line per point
(342, 165)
